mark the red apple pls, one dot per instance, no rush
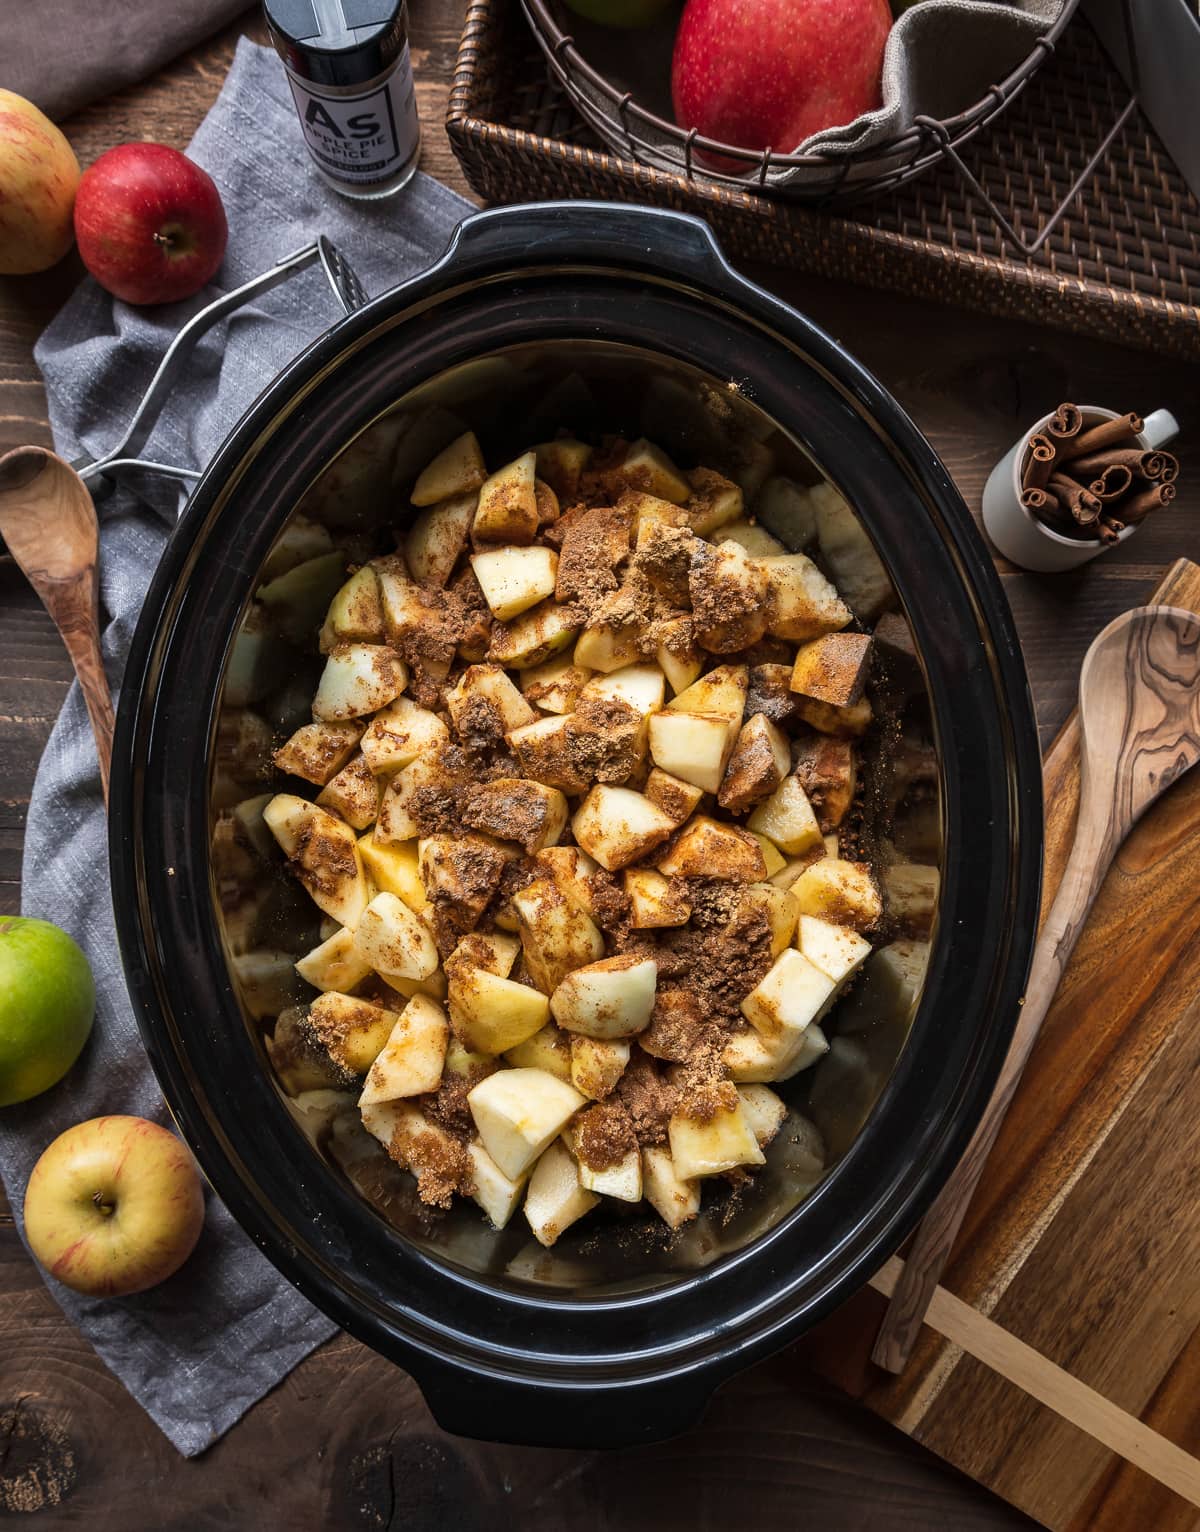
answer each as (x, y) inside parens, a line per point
(114, 1206)
(149, 223)
(767, 74)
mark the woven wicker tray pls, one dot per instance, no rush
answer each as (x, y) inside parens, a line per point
(1124, 264)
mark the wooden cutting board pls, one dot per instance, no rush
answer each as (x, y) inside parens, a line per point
(1084, 1237)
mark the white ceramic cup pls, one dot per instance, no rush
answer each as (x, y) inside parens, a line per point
(1018, 534)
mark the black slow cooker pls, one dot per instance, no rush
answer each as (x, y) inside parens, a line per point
(535, 317)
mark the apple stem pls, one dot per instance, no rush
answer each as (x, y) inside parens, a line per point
(107, 1208)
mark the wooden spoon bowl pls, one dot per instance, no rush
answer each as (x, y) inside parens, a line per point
(48, 521)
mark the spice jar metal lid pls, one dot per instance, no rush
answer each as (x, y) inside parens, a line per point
(337, 42)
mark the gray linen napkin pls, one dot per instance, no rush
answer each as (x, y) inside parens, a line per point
(198, 1351)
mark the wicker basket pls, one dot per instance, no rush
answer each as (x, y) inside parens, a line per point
(1123, 264)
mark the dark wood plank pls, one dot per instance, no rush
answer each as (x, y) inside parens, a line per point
(346, 1440)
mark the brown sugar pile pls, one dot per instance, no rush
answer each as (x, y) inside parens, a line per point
(594, 543)
(648, 1098)
(604, 1135)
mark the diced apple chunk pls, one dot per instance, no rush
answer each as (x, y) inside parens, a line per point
(722, 692)
(674, 1200)
(496, 1194)
(617, 826)
(787, 818)
(355, 615)
(514, 579)
(493, 950)
(397, 821)
(556, 1199)
(643, 687)
(322, 852)
(647, 469)
(519, 1112)
(729, 597)
(678, 655)
(543, 750)
(763, 1110)
(437, 537)
(833, 668)
(604, 647)
(561, 464)
(692, 746)
(756, 540)
(399, 733)
(335, 964)
(801, 603)
(850, 554)
(394, 869)
(460, 873)
(534, 636)
(838, 891)
(353, 793)
(484, 704)
(774, 858)
(845, 722)
(611, 998)
(556, 933)
(456, 470)
(412, 1059)
(518, 809)
(556, 685)
(318, 751)
(835, 950)
(778, 907)
(597, 1064)
(492, 1014)
(707, 848)
(786, 507)
(752, 1058)
(761, 759)
(791, 995)
(678, 799)
(654, 901)
(911, 890)
(396, 942)
(507, 510)
(548, 1049)
(827, 769)
(571, 868)
(711, 1147)
(714, 501)
(622, 1180)
(353, 1031)
(411, 614)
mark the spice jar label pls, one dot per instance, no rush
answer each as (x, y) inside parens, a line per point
(362, 138)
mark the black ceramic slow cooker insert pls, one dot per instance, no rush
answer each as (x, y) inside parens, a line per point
(599, 318)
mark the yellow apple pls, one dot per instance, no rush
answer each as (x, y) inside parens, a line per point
(114, 1206)
(38, 177)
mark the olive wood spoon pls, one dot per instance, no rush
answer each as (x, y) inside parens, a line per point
(1139, 725)
(49, 523)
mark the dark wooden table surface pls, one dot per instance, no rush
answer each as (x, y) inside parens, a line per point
(346, 1441)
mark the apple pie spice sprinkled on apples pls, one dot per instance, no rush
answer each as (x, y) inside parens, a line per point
(584, 748)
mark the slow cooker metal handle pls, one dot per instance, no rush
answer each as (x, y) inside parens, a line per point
(540, 1413)
(347, 289)
(651, 239)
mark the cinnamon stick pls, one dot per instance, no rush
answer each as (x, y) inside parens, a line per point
(1039, 463)
(1112, 482)
(1121, 432)
(1137, 507)
(1137, 459)
(1170, 468)
(1064, 425)
(1083, 505)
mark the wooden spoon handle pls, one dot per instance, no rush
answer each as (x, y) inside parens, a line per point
(71, 603)
(1089, 861)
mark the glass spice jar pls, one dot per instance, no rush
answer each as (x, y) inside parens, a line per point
(348, 65)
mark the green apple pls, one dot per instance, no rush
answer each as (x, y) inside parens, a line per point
(47, 1001)
(620, 13)
(114, 1206)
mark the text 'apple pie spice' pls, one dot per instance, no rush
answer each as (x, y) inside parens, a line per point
(348, 65)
